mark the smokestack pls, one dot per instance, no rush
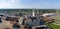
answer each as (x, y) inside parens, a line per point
(33, 13)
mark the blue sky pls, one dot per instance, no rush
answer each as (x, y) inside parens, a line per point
(30, 4)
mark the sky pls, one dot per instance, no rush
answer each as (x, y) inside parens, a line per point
(18, 4)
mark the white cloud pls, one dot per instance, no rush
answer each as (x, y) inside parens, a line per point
(46, 3)
(9, 1)
(8, 4)
(2, 5)
(14, 1)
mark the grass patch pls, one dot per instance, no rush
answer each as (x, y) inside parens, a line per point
(54, 26)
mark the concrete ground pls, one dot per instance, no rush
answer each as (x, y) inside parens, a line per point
(5, 24)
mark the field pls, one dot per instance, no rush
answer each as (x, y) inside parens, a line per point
(57, 19)
(56, 25)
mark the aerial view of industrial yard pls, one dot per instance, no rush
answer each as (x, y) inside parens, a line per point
(29, 14)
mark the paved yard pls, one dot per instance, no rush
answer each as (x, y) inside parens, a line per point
(5, 24)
